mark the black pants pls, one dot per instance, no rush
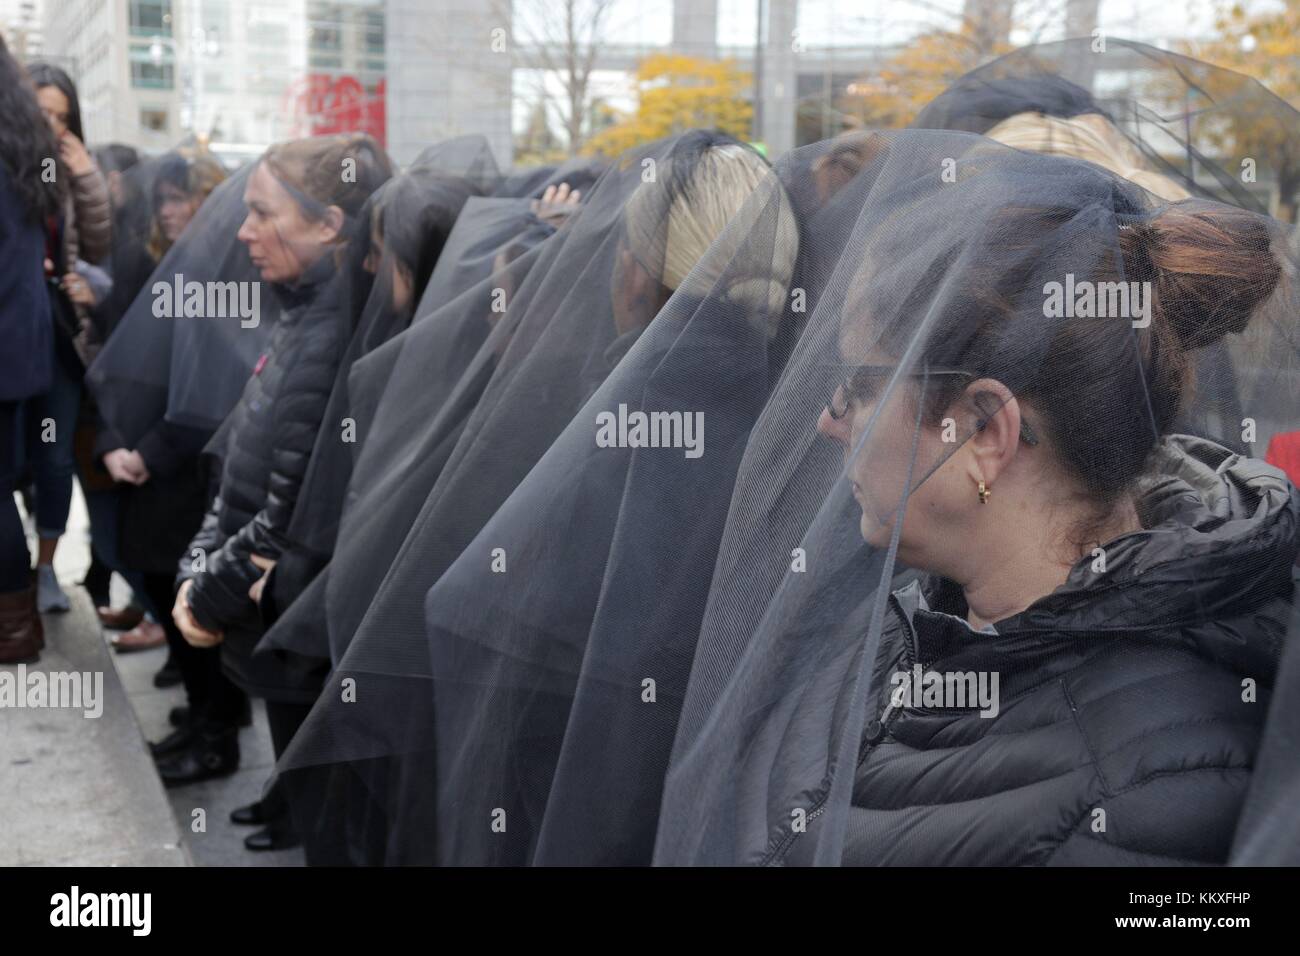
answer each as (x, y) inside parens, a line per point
(215, 702)
(15, 559)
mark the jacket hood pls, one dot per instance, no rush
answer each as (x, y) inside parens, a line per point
(1211, 569)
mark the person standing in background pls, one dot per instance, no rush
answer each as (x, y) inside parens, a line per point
(27, 200)
(81, 228)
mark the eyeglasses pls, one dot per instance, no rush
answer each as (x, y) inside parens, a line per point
(861, 383)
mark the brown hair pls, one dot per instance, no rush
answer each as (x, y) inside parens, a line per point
(314, 168)
(1103, 393)
(196, 176)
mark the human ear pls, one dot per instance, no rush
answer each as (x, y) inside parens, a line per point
(994, 423)
(331, 225)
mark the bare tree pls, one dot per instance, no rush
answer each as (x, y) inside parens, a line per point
(562, 39)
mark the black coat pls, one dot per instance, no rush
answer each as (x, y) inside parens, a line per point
(267, 443)
(1125, 698)
(26, 368)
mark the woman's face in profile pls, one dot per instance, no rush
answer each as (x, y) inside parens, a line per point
(281, 241)
(889, 456)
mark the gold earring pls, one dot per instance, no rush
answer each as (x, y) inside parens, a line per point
(984, 493)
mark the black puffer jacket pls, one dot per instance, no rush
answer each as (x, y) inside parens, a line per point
(1121, 736)
(267, 442)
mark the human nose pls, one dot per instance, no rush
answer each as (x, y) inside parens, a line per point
(836, 429)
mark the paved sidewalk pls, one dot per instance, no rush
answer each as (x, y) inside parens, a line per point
(81, 791)
(76, 790)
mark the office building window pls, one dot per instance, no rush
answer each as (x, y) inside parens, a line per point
(151, 18)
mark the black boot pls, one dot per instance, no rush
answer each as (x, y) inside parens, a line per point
(21, 633)
(178, 740)
(279, 835)
(213, 754)
(265, 811)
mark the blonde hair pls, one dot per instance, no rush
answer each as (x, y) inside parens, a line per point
(1088, 136)
(722, 182)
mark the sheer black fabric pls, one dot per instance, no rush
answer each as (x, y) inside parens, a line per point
(545, 719)
(418, 209)
(592, 647)
(786, 750)
(1185, 128)
(186, 345)
(580, 173)
(1217, 133)
(596, 285)
(403, 233)
(131, 193)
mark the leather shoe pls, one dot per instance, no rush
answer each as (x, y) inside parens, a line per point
(256, 814)
(212, 755)
(120, 619)
(143, 637)
(278, 836)
(180, 739)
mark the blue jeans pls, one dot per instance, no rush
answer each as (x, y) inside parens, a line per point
(53, 462)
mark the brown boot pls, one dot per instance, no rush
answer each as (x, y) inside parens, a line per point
(21, 633)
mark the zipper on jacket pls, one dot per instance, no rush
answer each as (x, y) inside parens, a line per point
(910, 652)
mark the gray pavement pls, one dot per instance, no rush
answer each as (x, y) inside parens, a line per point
(76, 790)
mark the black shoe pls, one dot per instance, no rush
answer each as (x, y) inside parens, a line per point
(213, 755)
(180, 716)
(178, 740)
(169, 676)
(278, 836)
(257, 814)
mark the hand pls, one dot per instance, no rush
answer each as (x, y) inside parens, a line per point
(195, 635)
(556, 204)
(126, 466)
(78, 289)
(265, 564)
(74, 154)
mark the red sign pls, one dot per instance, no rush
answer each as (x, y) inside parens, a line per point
(324, 103)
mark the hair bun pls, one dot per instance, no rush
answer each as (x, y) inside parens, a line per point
(1211, 266)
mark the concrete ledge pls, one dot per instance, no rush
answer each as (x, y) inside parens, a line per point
(77, 791)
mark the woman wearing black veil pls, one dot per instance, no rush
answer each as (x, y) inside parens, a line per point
(149, 485)
(556, 684)
(594, 288)
(1125, 624)
(302, 200)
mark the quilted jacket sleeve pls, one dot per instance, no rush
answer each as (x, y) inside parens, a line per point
(1141, 827)
(221, 594)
